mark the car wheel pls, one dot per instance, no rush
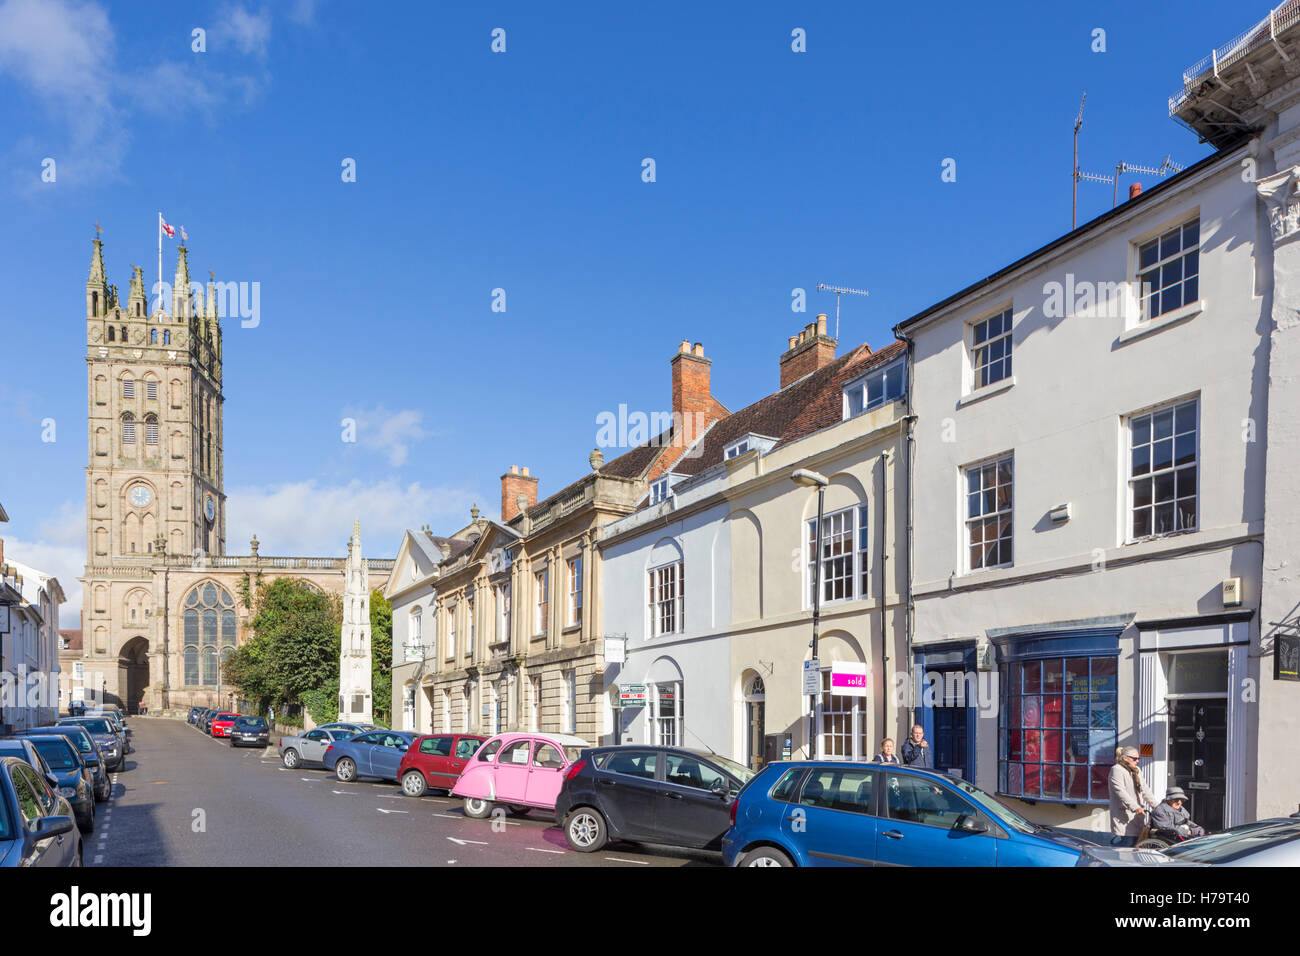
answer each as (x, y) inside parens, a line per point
(345, 769)
(518, 810)
(585, 830)
(767, 856)
(414, 784)
(478, 808)
(291, 759)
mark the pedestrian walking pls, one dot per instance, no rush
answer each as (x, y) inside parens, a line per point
(916, 750)
(886, 754)
(1129, 797)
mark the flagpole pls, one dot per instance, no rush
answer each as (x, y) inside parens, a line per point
(159, 285)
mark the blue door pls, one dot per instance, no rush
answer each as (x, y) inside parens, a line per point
(922, 825)
(950, 728)
(832, 822)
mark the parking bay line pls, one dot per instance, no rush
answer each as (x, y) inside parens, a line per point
(536, 849)
(619, 859)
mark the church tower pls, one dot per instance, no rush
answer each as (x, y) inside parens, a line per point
(154, 474)
(355, 702)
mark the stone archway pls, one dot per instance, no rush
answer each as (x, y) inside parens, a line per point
(133, 673)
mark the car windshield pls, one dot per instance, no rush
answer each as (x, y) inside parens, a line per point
(994, 807)
(96, 725)
(1236, 843)
(225, 717)
(739, 771)
(57, 753)
(252, 723)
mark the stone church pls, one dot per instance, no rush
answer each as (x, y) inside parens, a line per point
(163, 601)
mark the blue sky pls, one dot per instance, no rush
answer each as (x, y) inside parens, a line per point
(522, 171)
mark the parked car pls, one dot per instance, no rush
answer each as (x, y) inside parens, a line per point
(642, 794)
(221, 723)
(1270, 842)
(377, 753)
(250, 731)
(811, 813)
(435, 761)
(123, 730)
(310, 746)
(354, 728)
(519, 770)
(24, 749)
(205, 722)
(106, 736)
(90, 753)
(68, 774)
(193, 715)
(36, 824)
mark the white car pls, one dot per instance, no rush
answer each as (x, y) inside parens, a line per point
(310, 747)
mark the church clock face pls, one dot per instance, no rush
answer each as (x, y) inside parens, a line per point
(140, 496)
(209, 508)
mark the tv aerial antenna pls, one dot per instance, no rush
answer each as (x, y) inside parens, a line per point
(1166, 167)
(839, 291)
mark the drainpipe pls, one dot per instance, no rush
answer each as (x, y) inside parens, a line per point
(884, 593)
(909, 452)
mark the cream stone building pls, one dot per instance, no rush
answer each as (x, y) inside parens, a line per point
(163, 602)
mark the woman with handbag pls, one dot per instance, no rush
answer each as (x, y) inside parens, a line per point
(1129, 798)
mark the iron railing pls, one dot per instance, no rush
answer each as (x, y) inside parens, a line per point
(1219, 59)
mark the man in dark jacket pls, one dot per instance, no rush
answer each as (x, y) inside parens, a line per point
(916, 750)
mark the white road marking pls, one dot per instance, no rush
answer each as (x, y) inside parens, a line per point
(99, 859)
(536, 849)
(308, 779)
(382, 810)
(619, 859)
(348, 792)
(509, 823)
(463, 842)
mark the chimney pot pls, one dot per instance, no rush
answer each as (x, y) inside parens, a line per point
(525, 471)
(514, 469)
(821, 323)
(793, 340)
(698, 350)
(1134, 190)
(684, 347)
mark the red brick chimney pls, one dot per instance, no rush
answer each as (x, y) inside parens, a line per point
(513, 484)
(693, 404)
(810, 350)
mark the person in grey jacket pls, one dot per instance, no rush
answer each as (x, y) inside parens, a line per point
(916, 750)
(1171, 814)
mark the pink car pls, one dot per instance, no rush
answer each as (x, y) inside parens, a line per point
(523, 771)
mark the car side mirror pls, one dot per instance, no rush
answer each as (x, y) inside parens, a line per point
(972, 824)
(47, 827)
(92, 761)
(720, 790)
(52, 780)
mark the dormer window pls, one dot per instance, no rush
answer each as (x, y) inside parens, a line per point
(659, 491)
(748, 443)
(880, 387)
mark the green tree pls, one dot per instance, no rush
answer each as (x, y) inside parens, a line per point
(381, 658)
(294, 650)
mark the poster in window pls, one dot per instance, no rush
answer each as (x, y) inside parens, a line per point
(1078, 710)
(1104, 713)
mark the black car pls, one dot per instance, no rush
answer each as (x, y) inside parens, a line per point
(36, 825)
(648, 794)
(90, 753)
(250, 731)
(68, 774)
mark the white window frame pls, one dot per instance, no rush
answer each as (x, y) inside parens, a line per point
(542, 600)
(659, 490)
(575, 590)
(1174, 468)
(451, 632)
(569, 701)
(736, 449)
(535, 705)
(857, 533)
(973, 349)
(414, 634)
(446, 710)
(664, 731)
(830, 705)
(1144, 295)
(969, 522)
(660, 603)
(469, 612)
(408, 707)
(502, 592)
(857, 398)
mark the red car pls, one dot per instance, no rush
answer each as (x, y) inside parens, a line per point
(434, 761)
(222, 723)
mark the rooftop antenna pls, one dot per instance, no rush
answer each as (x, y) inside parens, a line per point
(839, 291)
(1074, 203)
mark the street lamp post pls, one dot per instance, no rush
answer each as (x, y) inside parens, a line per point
(809, 479)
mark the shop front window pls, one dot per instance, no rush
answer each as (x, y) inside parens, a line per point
(1057, 728)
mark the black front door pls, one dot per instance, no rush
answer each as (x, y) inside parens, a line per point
(1198, 748)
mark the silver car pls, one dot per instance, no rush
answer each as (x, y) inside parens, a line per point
(1271, 842)
(310, 747)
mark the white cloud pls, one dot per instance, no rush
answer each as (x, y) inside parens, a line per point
(391, 433)
(303, 11)
(308, 519)
(58, 549)
(250, 32)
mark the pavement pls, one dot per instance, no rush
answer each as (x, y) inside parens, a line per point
(186, 799)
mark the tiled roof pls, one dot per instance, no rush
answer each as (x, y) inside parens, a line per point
(808, 405)
(72, 638)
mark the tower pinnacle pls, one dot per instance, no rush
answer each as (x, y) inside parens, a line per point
(181, 304)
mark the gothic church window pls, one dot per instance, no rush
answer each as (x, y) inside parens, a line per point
(208, 620)
(112, 334)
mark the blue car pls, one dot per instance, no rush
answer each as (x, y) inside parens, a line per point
(378, 753)
(823, 813)
(36, 824)
(90, 753)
